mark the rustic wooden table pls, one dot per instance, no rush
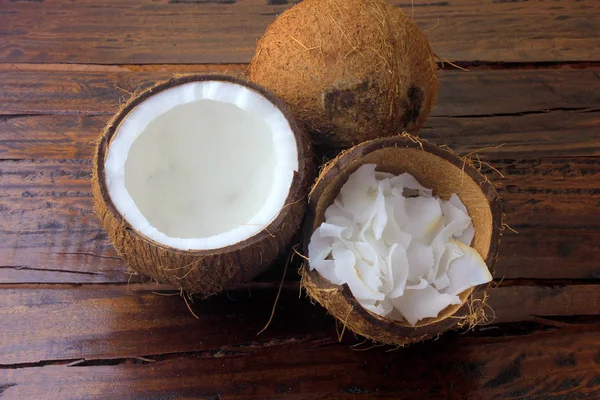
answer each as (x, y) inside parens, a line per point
(75, 325)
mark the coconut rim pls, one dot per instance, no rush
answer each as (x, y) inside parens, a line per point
(296, 187)
(450, 316)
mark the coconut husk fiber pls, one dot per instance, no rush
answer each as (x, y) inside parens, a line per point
(351, 70)
(436, 168)
(202, 272)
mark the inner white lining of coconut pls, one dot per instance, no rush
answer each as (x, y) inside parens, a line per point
(202, 165)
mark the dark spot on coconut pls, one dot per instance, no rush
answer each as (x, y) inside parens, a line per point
(412, 111)
(339, 100)
(565, 360)
(352, 105)
(346, 99)
(277, 2)
(509, 374)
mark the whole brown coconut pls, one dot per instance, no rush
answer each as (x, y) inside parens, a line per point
(209, 270)
(350, 70)
(434, 168)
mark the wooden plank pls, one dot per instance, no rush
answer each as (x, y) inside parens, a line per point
(561, 364)
(556, 113)
(556, 133)
(89, 90)
(49, 136)
(62, 322)
(549, 254)
(221, 31)
(99, 89)
(539, 134)
(49, 232)
(550, 192)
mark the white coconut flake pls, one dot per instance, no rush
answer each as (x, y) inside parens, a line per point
(327, 269)
(421, 285)
(366, 252)
(332, 231)
(380, 219)
(369, 274)
(467, 271)
(358, 194)
(319, 246)
(440, 278)
(467, 236)
(380, 176)
(398, 264)
(420, 259)
(425, 215)
(407, 181)
(415, 305)
(404, 253)
(382, 308)
(456, 217)
(344, 257)
(392, 232)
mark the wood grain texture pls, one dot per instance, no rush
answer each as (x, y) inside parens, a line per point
(49, 232)
(139, 320)
(70, 328)
(218, 31)
(98, 89)
(552, 133)
(561, 363)
(57, 111)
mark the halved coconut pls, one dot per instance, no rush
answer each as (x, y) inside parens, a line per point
(435, 168)
(200, 180)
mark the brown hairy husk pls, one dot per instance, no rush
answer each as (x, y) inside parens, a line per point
(350, 70)
(434, 167)
(203, 272)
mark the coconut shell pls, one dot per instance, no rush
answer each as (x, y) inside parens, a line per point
(350, 70)
(203, 272)
(435, 168)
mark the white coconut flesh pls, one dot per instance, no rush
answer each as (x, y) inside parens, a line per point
(203, 165)
(404, 253)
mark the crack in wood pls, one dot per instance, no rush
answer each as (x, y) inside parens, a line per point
(584, 110)
(505, 331)
(26, 268)
(243, 349)
(522, 113)
(546, 282)
(90, 255)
